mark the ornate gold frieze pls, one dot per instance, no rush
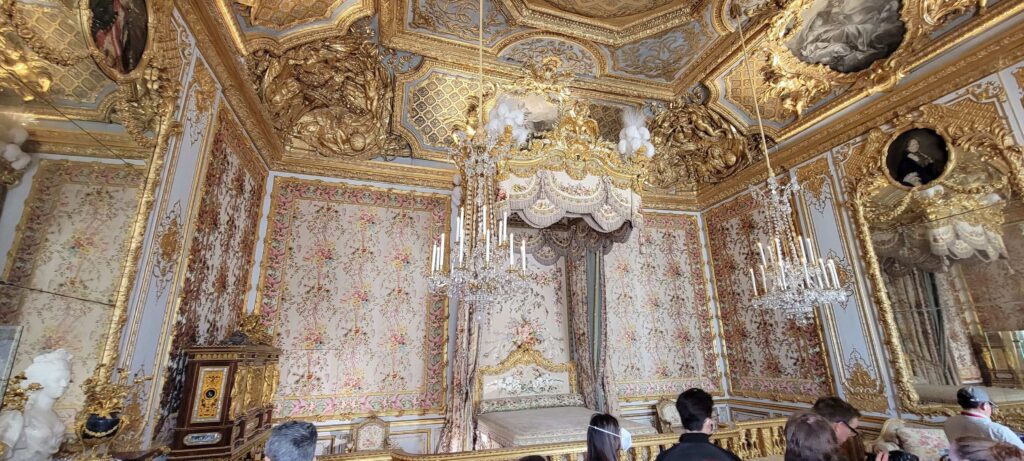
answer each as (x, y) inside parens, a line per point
(694, 145)
(331, 97)
(284, 14)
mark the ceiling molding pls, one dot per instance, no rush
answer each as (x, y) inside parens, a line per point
(213, 41)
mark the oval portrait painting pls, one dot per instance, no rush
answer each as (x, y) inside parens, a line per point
(120, 31)
(848, 35)
(917, 157)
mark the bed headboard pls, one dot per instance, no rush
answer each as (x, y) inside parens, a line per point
(525, 379)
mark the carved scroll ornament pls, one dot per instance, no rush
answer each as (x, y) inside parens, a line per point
(332, 96)
(694, 145)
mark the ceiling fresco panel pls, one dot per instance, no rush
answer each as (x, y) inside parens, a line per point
(575, 58)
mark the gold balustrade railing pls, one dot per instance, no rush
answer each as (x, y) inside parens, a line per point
(748, 440)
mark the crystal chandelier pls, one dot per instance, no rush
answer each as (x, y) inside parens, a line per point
(485, 267)
(489, 263)
(792, 277)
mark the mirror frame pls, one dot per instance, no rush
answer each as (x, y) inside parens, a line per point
(990, 140)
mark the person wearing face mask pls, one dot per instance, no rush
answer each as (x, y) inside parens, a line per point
(605, 438)
(976, 419)
(695, 407)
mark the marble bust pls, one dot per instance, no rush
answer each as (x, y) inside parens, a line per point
(37, 432)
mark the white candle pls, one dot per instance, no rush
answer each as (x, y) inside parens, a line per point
(812, 255)
(511, 251)
(487, 237)
(832, 270)
(504, 223)
(522, 254)
(444, 251)
(803, 262)
(462, 249)
(462, 222)
(753, 281)
(760, 249)
(800, 243)
(764, 280)
(484, 218)
(782, 277)
(821, 265)
(433, 258)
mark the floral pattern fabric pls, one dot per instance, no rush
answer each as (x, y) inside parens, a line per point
(72, 240)
(535, 318)
(768, 356)
(660, 331)
(344, 288)
(223, 247)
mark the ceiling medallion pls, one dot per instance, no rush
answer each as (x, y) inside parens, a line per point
(332, 97)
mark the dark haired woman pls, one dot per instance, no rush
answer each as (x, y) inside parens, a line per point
(604, 438)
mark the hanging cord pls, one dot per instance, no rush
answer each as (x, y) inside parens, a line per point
(757, 107)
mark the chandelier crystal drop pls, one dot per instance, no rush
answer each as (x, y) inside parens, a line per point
(792, 277)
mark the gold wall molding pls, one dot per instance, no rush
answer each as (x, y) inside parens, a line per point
(987, 58)
(984, 139)
(97, 144)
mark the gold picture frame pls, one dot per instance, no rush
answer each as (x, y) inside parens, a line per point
(86, 13)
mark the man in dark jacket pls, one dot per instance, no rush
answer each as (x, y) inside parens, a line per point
(695, 407)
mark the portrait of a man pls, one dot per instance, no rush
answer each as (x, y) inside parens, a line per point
(120, 30)
(848, 35)
(917, 157)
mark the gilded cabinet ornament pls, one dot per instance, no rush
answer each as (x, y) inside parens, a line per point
(332, 96)
(694, 145)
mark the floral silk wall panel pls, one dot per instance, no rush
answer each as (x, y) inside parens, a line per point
(73, 241)
(661, 338)
(344, 287)
(768, 356)
(537, 318)
(222, 249)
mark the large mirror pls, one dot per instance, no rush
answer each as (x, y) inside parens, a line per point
(943, 221)
(79, 155)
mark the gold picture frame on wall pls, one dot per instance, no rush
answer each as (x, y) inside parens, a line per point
(119, 34)
(988, 142)
(917, 156)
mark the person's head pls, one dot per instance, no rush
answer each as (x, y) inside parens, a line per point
(695, 408)
(913, 145)
(975, 399)
(810, 437)
(900, 455)
(532, 458)
(51, 370)
(981, 449)
(844, 418)
(291, 441)
(603, 439)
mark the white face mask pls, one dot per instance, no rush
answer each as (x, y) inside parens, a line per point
(625, 438)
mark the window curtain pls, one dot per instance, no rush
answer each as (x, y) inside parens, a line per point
(460, 416)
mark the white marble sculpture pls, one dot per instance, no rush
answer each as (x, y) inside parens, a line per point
(37, 432)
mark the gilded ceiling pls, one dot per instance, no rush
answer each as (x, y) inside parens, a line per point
(352, 80)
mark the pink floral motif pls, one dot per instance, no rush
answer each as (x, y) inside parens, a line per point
(346, 295)
(657, 309)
